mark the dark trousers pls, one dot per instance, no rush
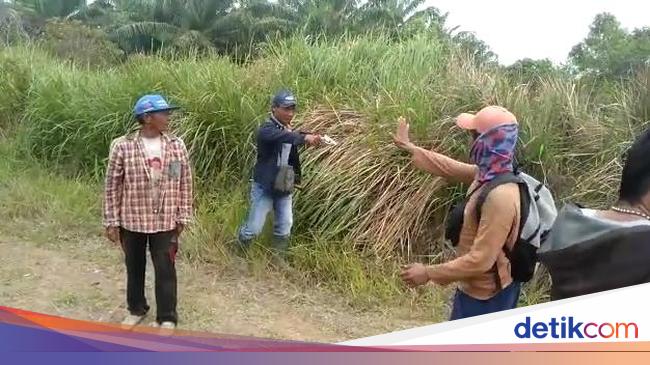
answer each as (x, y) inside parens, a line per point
(466, 306)
(163, 247)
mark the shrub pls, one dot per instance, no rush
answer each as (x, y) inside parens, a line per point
(80, 44)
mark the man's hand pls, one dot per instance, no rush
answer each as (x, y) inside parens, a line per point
(312, 139)
(401, 136)
(113, 234)
(180, 227)
(414, 275)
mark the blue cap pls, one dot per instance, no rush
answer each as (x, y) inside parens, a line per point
(151, 104)
(284, 98)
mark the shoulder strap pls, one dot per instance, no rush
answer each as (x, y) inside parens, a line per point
(524, 205)
(478, 186)
(283, 157)
(499, 180)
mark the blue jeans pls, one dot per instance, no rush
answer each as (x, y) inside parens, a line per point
(262, 203)
(466, 306)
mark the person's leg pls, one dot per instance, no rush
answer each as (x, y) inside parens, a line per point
(260, 206)
(163, 247)
(134, 246)
(282, 224)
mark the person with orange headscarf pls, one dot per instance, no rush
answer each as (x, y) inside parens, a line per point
(481, 267)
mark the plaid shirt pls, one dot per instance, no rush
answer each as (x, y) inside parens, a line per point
(128, 199)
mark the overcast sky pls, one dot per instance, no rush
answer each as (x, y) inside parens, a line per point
(516, 29)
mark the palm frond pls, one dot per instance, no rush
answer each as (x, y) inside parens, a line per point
(50, 8)
(160, 31)
(411, 7)
(201, 14)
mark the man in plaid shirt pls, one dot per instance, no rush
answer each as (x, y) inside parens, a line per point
(148, 199)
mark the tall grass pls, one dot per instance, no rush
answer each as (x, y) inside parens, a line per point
(16, 66)
(361, 202)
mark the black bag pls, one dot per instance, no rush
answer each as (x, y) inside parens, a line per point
(455, 219)
(538, 213)
(586, 255)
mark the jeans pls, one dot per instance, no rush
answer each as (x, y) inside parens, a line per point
(163, 249)
(262, 203)
(466, 306)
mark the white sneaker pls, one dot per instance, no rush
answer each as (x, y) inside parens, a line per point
(168, 325)
(132, 320)
(167, 328)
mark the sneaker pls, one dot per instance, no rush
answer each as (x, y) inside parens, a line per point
(132, 320)
(168, 325)
(167, 328)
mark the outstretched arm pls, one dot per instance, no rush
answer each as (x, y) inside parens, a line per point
(269, 133)
(433, 162)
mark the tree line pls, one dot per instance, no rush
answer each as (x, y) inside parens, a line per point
(242, 28)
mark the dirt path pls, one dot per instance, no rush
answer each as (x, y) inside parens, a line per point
(85, 280)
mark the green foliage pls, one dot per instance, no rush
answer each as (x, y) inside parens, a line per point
(178, 23)
(16, 68)
(104, 14)
(51, 8)
(355, 68)
(242, 28)
(609, 51)
(76, 42)
(331, 17)
(352, 88)
(12, 30)
(392, 16)
(531, 72)
(474, 48)
(527, 69)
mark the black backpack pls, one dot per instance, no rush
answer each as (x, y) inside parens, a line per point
(538, 213)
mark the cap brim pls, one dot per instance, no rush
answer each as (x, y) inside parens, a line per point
(158, 110)
(168, 109)
(466, 121)
(286, 105)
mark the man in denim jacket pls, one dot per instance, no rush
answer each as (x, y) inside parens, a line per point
(277, 146)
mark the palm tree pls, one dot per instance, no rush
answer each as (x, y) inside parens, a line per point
(104, 14)
(251, 23)
(395, 15)
(181, 23)
(49, 8)
(20, 19)
(202, 24)
(328, 17)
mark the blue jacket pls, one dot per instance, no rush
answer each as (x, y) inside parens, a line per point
(271, 136)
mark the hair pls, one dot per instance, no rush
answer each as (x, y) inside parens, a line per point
(635, 179)
(140, 118)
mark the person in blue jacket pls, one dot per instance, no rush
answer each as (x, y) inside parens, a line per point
(277, 146)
